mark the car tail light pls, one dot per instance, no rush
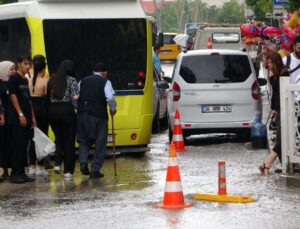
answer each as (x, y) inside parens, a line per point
(255, 89)
(176, 91)
(215, 54)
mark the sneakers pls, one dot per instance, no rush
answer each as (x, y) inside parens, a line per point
(84, 169)
(57, 170)
(68, 175)
(31, 171)
(41, 172)
(95, 175)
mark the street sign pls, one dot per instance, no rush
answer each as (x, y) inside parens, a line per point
(280, 2)
(278, 11)
(269, 15)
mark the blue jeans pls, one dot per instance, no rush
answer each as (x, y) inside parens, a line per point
(92, 130)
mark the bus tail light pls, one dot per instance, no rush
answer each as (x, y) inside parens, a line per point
(141, 74)
(176, 91)
(255, 90)
(140, 80)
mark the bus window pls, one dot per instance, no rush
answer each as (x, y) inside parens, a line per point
(120, 43)
(15, 39)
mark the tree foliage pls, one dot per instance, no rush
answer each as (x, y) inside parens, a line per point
(261, 7)
(7, 1)
(175, 15)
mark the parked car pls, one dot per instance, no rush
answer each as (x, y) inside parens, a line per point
(216, 91)
(160, 87)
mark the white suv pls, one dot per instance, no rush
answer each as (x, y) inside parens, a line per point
(216, 91)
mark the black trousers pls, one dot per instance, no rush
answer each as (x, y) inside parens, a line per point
(20, 141)
(62, 120)
(40, 108)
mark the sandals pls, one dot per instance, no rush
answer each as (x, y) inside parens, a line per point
(264, 171)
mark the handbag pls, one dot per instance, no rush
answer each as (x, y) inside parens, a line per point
(273, 123)
(43, 144)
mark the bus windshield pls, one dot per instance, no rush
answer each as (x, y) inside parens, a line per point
(119, 43)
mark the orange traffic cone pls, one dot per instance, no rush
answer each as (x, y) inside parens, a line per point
(173, 197)
(209, 43)
(177, 133)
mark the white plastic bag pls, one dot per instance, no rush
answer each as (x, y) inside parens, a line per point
(43, 145)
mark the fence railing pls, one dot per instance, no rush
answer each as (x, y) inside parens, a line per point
(290, 119)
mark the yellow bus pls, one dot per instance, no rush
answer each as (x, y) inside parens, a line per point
(115, 32)
(169, 50)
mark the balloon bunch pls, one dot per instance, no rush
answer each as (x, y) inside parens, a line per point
(283, 36)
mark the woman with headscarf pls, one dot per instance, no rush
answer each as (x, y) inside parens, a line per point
(38, 88)
(62, 88)
(7, 68)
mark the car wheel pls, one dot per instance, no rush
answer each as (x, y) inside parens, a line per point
(156, 123)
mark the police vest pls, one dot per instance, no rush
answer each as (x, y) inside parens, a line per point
(92, 97)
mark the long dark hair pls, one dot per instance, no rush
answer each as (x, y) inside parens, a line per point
(39, 64)
(278, 65)
(58, 81)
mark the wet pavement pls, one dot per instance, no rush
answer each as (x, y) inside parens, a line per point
(129, 199)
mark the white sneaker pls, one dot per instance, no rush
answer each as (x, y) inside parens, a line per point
(57, 170)
(31, 171)
(68, 175)
(41, 172)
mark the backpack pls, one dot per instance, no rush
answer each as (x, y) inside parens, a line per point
(288, 62)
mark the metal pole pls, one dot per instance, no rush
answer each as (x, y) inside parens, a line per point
(114, 143)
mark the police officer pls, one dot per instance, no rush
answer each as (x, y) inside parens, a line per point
(92, 119)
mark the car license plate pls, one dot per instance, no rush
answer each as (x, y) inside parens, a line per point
(165, 52)
(216, 108)
(109, 138)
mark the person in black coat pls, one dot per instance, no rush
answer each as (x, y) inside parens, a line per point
(7, 68)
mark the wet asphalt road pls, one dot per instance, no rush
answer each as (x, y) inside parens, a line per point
(129, 200)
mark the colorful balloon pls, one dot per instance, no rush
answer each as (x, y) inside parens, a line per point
(261, 35)
(297, 30)
(287, 38)
(249, 30)
(271, 32)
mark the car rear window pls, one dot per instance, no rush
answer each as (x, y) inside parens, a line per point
(215, 69)
(168, 39)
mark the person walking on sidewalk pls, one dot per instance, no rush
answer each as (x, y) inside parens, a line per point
(92, 119)
(277, 68)
(21, 120)
(62, 88)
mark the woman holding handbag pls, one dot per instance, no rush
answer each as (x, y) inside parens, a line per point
(62, 89)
